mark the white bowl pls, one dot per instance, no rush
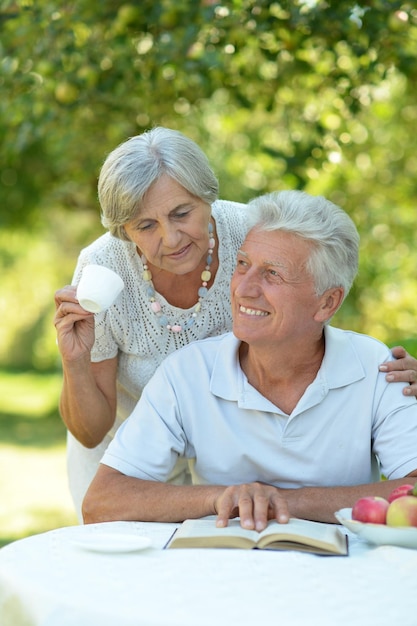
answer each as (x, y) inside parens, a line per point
(379, 534)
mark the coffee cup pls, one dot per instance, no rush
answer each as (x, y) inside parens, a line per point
(98, 288)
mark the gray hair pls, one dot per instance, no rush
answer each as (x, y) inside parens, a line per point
(131, 169)
(335, 254)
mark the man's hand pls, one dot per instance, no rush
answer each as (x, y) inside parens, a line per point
(403, 369)
(254, 503)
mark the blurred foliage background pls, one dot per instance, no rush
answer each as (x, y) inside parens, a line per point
(309, 94)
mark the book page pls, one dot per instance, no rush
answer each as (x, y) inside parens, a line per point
(206, 530)
(305, 531)
(299, 528)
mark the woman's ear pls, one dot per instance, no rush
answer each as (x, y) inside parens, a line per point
(329, 303)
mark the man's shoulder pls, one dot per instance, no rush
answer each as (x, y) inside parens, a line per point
(363, 344)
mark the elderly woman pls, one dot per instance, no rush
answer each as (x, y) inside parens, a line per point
(174, 245)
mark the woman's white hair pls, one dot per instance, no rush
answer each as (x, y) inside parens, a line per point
(335, 251)
(135, 165)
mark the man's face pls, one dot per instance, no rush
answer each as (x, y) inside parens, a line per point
(273, 294)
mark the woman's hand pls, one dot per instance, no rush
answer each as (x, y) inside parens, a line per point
(403, 369)
(89, 396)
(74, 325)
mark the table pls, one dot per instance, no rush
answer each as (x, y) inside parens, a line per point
(48, 580)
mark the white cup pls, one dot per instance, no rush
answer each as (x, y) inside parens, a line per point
(98, 288)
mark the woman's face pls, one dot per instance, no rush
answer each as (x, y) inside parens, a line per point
(171, 228)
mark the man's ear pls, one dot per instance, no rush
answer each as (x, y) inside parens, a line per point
(329, 303)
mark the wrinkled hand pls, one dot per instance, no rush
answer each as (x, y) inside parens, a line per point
(74, 325)
(255, 504)
(403, 369)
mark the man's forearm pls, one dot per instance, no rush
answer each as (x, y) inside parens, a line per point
(320, 503)
(113, 496)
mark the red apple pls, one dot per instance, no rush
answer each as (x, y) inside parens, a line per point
(398, 492)
(371, 509)
(402, 512)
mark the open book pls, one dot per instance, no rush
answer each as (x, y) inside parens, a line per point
(298, 534)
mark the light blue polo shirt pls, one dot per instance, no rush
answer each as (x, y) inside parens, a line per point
(200, 405)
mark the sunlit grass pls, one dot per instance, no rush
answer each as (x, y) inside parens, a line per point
(33, 491)
(27, 393)
(34, 495)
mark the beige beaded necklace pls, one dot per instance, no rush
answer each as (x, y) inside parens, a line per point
(201, 293)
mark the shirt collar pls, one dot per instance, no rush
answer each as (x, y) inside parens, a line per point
(341, 365)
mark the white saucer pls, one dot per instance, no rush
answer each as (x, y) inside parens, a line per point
(112, 542)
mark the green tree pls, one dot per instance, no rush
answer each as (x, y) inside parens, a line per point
(270, 85)
(308, 94)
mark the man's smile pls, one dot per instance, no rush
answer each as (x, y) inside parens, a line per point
(255, 312)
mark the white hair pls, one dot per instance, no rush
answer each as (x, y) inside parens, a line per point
(135, 165)
(335, 252)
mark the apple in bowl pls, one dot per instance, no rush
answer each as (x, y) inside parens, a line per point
(402, 511)
(399, 492)
(371, 510)
(399, 509)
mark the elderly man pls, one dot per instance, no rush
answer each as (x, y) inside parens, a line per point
(284, 416)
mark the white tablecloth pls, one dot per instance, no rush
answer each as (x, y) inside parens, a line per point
(47, 580)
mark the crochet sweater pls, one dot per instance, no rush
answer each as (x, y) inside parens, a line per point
(131, 330)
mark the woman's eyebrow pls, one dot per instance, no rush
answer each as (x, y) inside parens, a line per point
(183, 205)
(142, 217)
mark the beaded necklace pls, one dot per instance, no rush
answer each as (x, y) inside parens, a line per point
(202, 291)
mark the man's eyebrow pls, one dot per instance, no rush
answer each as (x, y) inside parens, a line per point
(275, 263)
(265, 262)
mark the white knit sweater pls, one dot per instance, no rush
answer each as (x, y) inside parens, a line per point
(131, 330)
